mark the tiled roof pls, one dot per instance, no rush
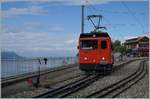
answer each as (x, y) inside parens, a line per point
(134, 40)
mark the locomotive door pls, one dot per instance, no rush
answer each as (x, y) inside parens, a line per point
(104, 50)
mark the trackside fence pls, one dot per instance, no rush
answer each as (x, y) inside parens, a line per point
(13, 67)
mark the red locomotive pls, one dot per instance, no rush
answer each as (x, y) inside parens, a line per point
(95, 51)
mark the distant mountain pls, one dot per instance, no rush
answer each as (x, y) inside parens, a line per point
(10, 55)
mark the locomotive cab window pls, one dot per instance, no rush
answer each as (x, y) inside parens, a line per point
(88, 44)
(103, 44)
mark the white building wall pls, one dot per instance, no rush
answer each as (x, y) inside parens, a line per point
(137, 45)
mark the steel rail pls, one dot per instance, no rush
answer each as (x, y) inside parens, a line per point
(69, 78)
(79, 86)
(111, 88)
(16, 79)
(46, 94)
(65, 90)
(131, 84)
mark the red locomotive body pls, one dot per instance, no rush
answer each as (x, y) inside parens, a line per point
(95, 52)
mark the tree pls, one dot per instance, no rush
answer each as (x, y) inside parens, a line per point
(118, 47)
(116, 43)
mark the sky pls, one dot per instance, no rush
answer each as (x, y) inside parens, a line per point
(44, 28)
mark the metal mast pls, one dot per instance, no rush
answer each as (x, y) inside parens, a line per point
(82, 19)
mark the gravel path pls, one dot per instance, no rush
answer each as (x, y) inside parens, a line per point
(101, 83)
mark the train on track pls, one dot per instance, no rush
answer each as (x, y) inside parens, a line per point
(95, 52)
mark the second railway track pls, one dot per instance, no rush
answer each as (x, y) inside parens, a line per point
(69, 88)
(113, 90)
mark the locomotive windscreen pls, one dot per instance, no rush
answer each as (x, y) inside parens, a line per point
(88, 44)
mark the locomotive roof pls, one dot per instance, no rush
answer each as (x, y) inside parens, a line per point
(97, 34)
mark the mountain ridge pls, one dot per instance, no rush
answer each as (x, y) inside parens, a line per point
(10, 55)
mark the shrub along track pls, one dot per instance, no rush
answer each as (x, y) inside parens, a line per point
(120, 86)
(72, 87)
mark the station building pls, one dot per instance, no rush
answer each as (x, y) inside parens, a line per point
(138, 46)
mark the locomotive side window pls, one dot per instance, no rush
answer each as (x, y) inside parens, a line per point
(88, 44)
(103, 44)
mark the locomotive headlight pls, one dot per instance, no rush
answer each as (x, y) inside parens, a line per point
(103, 58)
(94, 60)
(103, 61)
(94, 35)
(85, 58)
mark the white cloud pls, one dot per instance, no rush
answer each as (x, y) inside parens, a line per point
(27, 39)
(31, 42)
(71, 2)
(32, 27)
(32, 10)
(38, 10)
(71, 41)
(56, 29)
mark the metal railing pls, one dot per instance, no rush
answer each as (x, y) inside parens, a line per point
(13, 67)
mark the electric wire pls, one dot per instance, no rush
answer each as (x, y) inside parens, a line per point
(129, 11)
(133, 15)
(97, 11)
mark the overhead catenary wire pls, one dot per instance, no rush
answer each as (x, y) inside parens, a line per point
(93, 10)
(91, 7)
(128, 11)
(118, 11)
(133, 15)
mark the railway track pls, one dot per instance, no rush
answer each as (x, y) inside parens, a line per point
(16, 79)
(67, 79)
(72, 87)
(69, 88)
(120, 86)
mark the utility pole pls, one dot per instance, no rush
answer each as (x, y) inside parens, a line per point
(82, 19)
